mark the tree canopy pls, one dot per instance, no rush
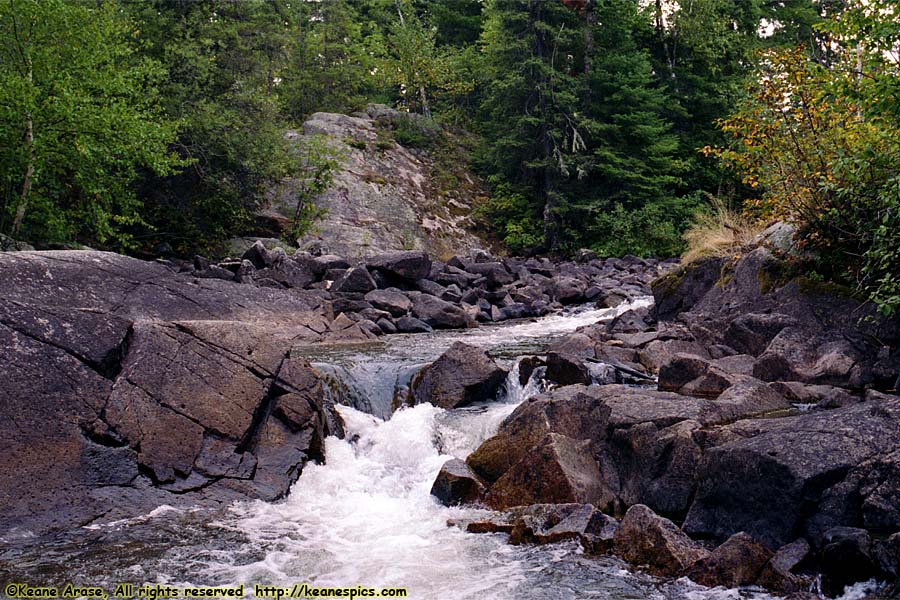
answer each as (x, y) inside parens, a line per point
(142, 125)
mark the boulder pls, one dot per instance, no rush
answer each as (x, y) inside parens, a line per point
(793, 476)
(681, 370)
(680, 290)
(568, 290)
(409, 324)
(780, 573)
(646, 539)
(743, 400)
(390, 300)
(752, 333)
(557, 470)
(356, 280)
(409, 265)
(737, 562)
(259, 255)
(437, 313)
(553, 523)
(565, 369)
(462, 375)
(494, 273)
(847, 557)
(642, 440)
(327, 262)
(456, 483)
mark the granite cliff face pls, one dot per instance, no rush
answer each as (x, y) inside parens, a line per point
(384, 197)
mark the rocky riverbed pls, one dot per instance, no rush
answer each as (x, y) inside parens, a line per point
(742, 430)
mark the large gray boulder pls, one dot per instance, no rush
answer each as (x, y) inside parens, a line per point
(462, 375)
(802, 475)
(409, 265)
(438, 313)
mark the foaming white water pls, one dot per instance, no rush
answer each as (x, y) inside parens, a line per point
(367, 517)
(372, 376)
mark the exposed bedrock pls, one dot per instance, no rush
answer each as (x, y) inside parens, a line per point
(128, 386)
(772, 429)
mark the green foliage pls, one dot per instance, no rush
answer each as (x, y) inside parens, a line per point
(821, 144)
(511, 215)
(335, 56)
(316, 161)
(222, 58)
(654, 229)
(414, 132)
(79, 120)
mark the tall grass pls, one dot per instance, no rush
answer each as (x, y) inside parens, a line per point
(721, 231)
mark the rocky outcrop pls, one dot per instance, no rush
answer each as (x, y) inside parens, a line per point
(383, 196)
(802, 475)
(129, 386)
(771, 430)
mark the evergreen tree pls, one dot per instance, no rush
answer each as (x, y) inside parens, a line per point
(632, 161)
(335, 63)
(530, 110)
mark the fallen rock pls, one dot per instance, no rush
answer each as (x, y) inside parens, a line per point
(780, 573)
(557, 470)
(356, 280)
(390, 300)
(553, 523)
(737, 562)
(846, 558)
(565, 369)
(410, 265)
(462, 375)
(646, 539)
(409, 324)
(456, 483)
(437, 313)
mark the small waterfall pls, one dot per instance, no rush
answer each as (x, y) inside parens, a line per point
(370, 385)
(516, 393)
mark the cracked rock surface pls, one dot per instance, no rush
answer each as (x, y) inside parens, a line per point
(127, 386)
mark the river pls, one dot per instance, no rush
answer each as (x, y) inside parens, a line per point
(366, 517)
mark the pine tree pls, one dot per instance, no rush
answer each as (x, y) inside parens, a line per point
(530, 105)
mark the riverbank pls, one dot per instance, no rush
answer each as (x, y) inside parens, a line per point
(745, 416)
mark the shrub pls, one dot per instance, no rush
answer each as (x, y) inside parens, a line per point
(718, 232)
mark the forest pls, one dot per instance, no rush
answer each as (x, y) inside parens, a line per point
(614, 125)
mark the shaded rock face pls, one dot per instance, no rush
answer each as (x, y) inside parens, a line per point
(802, 475)
(130, 386)
(770, 429)
(456, 483)
(610, 445)
(738, 561)
(381, 199)
(462, 375)
(645, 538)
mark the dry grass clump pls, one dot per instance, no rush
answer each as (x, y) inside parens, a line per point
(719, 232)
